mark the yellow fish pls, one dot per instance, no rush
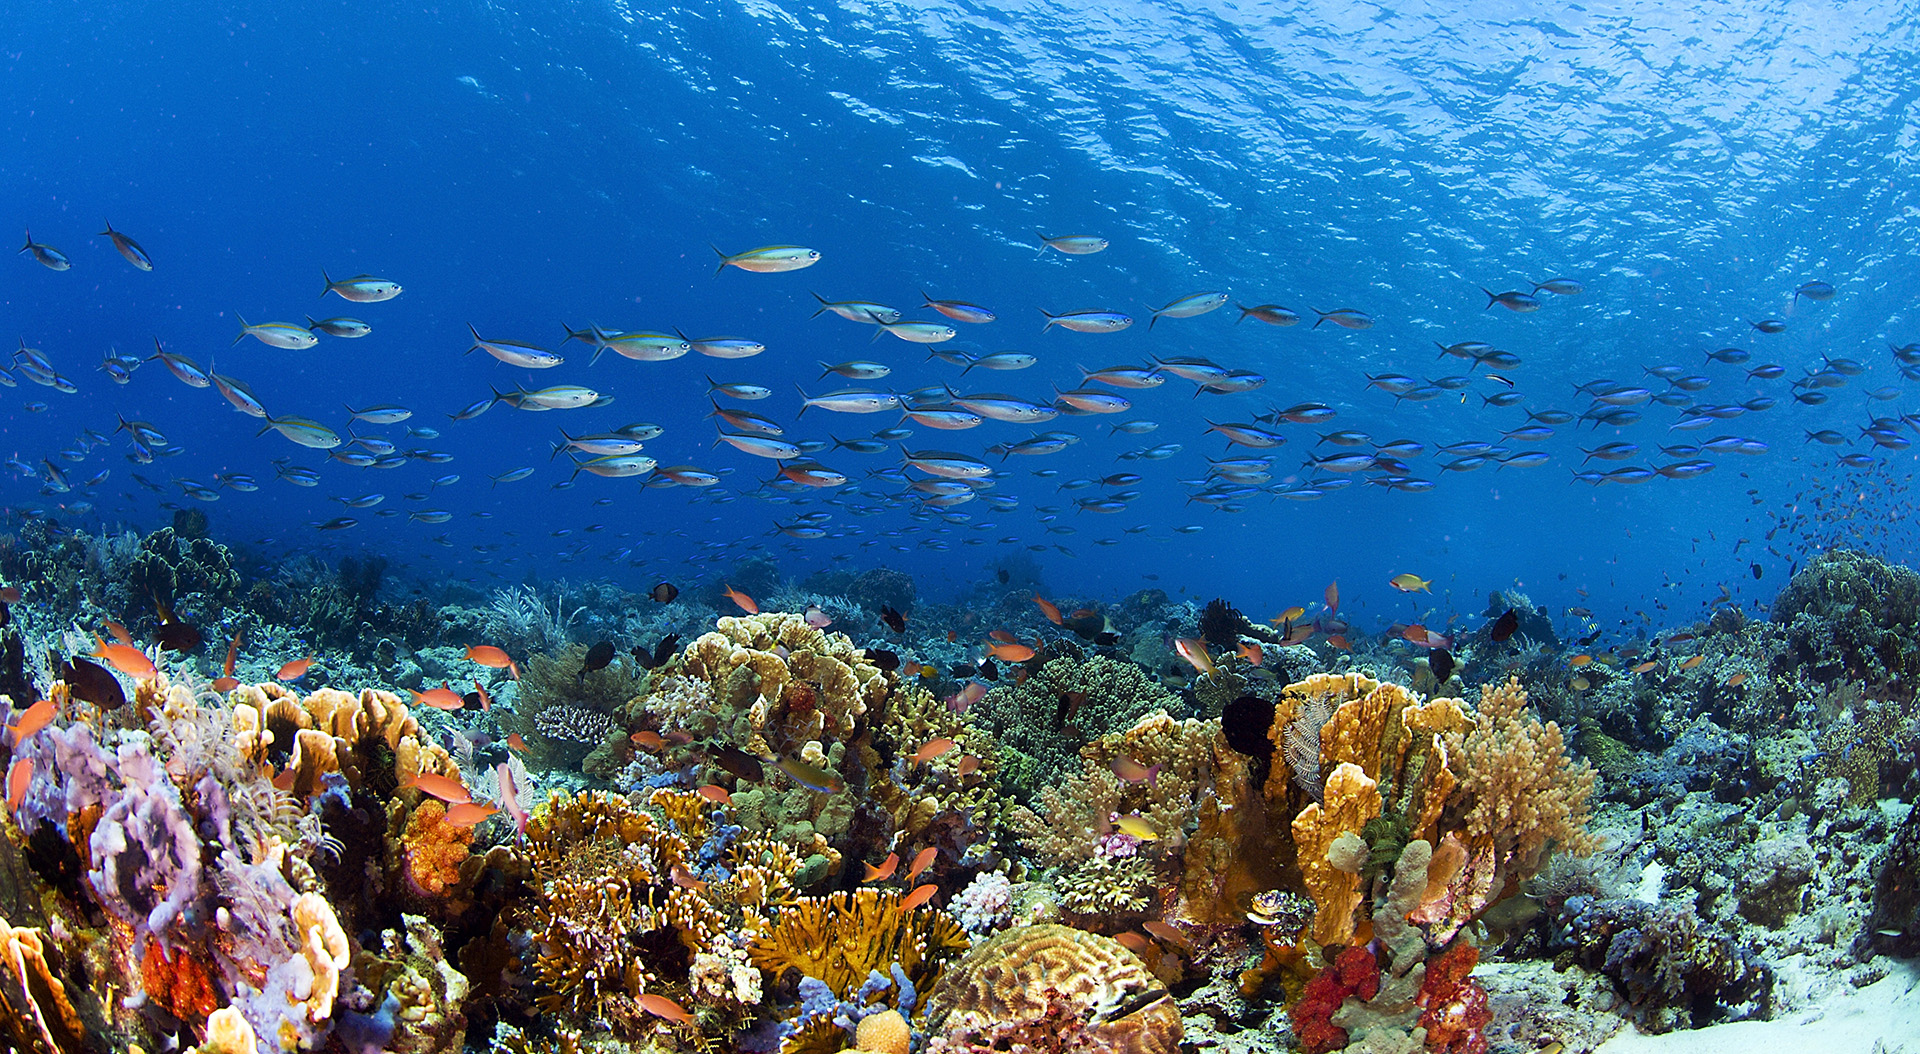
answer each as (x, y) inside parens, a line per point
(769, 259)
(1410, 583)
(1135, 825)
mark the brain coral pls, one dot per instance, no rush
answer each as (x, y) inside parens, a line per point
(1050, 987)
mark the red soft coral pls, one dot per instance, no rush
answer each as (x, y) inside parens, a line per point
(1354, 972)
(1454, 1005)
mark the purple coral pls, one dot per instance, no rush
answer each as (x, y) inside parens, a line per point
(985, 903)
(147, 854)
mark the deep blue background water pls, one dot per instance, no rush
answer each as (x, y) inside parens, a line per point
(517, 168)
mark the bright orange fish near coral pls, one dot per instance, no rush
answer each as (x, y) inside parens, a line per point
(493, 658)
(18, 779)
(445, 788)
(746, 602)
(921, 861)
(469, 813)
(934, 748)
(33, 719)
(1011, 652)
(918, 897)
(227, 682)
(1048, 609)
(295, 670)
(661, 1006)
(441, 698)
(884, 871)
(124, 657)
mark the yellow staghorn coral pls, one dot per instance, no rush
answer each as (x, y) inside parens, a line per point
(1351, 800)
(840, 938)
(1519, 793)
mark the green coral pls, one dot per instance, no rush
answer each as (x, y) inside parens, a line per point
(1042, 722)
(175, 565)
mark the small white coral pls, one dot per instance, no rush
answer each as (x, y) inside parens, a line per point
(726, 975)
(986, 903)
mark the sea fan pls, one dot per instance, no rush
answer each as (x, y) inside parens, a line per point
(1303, 745)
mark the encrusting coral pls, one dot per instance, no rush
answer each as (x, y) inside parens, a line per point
(1052, 988)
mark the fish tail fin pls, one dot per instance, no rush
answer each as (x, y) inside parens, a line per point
(29, 245)
(108, 233)
(324, 277)
(597, 352)
(243, 329)
(1244, 312)
(723, 259)
(1492, 297)
(1317, 321)
(804, 400)
(1051, 319)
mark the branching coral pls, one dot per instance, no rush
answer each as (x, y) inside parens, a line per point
(842, 938)
(1519, 793)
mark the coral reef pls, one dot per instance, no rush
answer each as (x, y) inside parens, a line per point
(1042, 722)
(1052, 988)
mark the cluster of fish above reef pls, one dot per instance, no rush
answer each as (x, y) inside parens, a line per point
(824, 822)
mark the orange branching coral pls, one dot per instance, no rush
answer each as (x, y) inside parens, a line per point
(1519, 793)
(842, 937)
(433, 848)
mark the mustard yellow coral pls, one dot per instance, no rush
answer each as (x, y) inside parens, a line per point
(432, 848)
(841, 937)
(1351, 800)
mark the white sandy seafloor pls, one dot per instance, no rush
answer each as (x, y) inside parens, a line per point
(1882, 1017)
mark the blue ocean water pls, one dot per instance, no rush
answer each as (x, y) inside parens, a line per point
(514, 169)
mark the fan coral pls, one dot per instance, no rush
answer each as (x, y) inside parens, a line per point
(1052, 988)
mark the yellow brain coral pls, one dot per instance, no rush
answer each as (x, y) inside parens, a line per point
(1050, 987)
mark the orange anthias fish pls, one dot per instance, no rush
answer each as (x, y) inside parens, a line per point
(1252, 653)
(489, 656)
(1737, 679)
(746, 602)
(294, 670)
(124, 657)
(919, 896)
(1048, 609)
(1695, 661)
(486, 701)
(1135, 942)
(448, 790)
(661, 1006)
(1333, 598)
(1644, 667)
(884, 871)
(119, 632)
(515, 741)
(933, 749)
(715, 794)
(1194, 650)
(649, 739)
(227, 682)
(1340, 642)
(469, 813)
(969, 765)
(1410, 583)
(1011, 652)
(441, 698)
(18, 778)
(33, 719)
(921, 861)
(1003, 637)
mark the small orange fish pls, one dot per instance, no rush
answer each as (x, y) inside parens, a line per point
(10, 594)
(686, 879)
(921, 861)
(1048, 609)
(1003, 637)
(1194, 650)
(1645, 666)
(283, 781)
(225, 684)
(489, 656)
(969, 765)
(486, 701)
(715, 794)
(1011, 652)
(952, 637)
(294, 670)
(649, 739)
(1333, 597)
(1251, 652)
(1737, 679)
(515, 741)
(119, 632)
(1579, 660)
(1695, 661)
(33, 719)
(1168, 933)
(18, 777)
(448, 790)
(1135, 943)
(233, 649)
(124, 657)
(441, 698)
(661, 1006)
(469, 813)
(919, 896)
(884, 871)
(1339, 641)
(746, 602)
(934, 748)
